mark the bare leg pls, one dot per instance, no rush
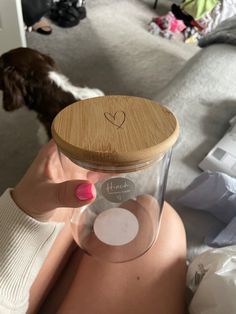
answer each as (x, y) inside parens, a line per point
(153, 283)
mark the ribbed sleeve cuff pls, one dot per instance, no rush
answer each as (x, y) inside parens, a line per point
(24, 244)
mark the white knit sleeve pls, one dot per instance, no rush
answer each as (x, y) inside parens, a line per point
(24, 245)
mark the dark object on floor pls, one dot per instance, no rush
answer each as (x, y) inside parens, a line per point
(82, 12)
(155, 4)
(180, 15)
(186, 18)
(34, 10)
(67, 13)
(42, 27)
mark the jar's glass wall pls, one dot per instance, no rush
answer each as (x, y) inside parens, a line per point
(123, 222)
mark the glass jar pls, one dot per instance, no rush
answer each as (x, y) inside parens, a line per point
(123, 145)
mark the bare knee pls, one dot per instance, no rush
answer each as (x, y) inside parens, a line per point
(172, 237)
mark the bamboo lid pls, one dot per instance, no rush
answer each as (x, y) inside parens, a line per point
(115, 130)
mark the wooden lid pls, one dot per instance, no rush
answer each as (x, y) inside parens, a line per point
(115, 130)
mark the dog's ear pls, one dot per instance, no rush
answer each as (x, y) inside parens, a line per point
(14, 89)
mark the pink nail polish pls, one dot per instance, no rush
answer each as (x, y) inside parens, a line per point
(85, 192)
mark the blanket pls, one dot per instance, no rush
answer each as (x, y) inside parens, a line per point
(224, 33)
(203, 97)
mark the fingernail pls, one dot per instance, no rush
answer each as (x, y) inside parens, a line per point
(85, 191)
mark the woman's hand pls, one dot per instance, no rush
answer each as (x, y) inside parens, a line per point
(45, 187)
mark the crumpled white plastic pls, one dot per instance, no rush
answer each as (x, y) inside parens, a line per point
(212, 278)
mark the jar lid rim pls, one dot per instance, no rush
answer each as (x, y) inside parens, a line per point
(114, 167)
(106, 142)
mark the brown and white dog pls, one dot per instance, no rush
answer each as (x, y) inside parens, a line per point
(30, 78)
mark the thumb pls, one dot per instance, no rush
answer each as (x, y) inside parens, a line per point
(75, 193)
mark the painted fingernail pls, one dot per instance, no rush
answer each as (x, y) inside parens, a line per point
(85, 191)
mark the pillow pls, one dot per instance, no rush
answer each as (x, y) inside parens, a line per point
(215, 193)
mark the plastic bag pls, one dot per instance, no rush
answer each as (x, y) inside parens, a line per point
(212, 279)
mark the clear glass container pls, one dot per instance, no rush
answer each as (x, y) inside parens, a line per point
(123, 221)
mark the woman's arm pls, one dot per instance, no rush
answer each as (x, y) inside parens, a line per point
(27, 227)
(24, 244)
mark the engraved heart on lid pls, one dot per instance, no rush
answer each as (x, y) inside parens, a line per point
(117, 119)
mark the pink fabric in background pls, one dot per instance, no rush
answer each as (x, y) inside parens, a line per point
(170, 23)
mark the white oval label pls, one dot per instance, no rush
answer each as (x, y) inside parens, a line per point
(117, 190)
(116, 226)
